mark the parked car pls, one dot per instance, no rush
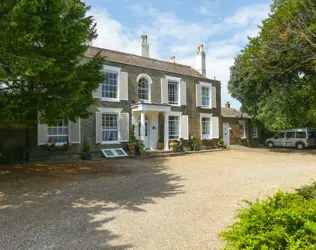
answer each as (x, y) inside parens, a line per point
(299, 138)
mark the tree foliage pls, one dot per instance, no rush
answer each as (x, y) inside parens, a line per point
(42, 70)
(274, 77)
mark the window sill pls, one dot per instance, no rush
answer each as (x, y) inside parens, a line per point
(109, 142)
(174, 105)
(255, 137)
(206, 107)
(102, 99)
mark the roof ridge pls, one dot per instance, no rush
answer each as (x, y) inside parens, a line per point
(148, 58)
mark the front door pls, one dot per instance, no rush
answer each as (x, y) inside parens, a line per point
(146, 142)
(226, 133)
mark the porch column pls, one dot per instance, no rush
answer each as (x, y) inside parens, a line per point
(166, 131)
(142, 125)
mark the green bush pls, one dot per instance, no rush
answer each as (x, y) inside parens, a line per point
(284, 221)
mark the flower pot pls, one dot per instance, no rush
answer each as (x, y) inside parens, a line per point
(131, 147)
(86, 156)
(160, 145)
(173, 147)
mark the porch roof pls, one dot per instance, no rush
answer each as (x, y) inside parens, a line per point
(151, 107)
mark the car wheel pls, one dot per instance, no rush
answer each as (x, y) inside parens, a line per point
(299, 146)
(270, 144)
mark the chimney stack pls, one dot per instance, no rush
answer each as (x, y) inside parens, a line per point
(143, 47)
(227, 105)
(200, 60)
(172, 59)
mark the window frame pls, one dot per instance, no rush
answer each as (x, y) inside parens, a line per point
(179, 126)
(117, 71)
(207, 116)
(173, 82)
(149, 82)
(118, 127)
(206, 136)
(209, 87)
(113, 150)
(256, 134)
(58, 135)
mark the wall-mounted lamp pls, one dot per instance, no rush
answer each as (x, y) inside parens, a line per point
(153, 127)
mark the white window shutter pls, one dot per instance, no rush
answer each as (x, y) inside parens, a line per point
(183, 93)
(98, 127)
(215, 127)
(164, 90)
(213, 97)
(41, 134)
(123, 86)
(124, 127)
(97, 93)
(198, 95)
(74, 132)
(184, 127)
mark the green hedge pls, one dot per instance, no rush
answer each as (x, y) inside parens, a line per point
(284, 221)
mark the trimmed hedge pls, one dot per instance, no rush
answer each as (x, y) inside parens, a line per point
(283, 221)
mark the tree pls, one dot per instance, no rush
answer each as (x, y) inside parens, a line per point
(274, 76)
(42, 68)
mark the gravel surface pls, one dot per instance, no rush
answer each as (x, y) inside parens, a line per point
(174, 203)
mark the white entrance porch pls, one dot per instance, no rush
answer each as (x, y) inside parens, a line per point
(145, 119)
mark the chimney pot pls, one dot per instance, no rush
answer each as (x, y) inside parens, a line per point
(227, 105)
(173, 59)
(200, 60)
(143, 47)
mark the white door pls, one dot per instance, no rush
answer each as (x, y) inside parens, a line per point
(226, 133)
(147, 131)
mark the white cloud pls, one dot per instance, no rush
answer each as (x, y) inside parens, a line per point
(249, 15)
(169, 35)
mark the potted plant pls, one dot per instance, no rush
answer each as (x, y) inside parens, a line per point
(132, 140)
(160, 144)
(220, 143)
(54, 147)
(86, 155)
(173, 145)
(193, 143)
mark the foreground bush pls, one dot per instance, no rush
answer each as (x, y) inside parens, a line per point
(284, 221)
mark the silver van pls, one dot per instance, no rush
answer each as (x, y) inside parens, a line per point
(299, 138)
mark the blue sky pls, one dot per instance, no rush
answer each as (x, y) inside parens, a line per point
(176, 28)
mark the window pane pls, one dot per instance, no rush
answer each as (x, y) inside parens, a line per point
(205, 97)
(280, 135)
(108, 152)
(173, 127)
(143, 89)
(109, 87)
(242, 130)
(119, 152)
(290, 135)
(173, 93)
(301, 135)
(206, 128)
(254, 131)
(311, 134)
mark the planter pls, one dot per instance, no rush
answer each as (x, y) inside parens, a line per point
(86, 156)
(57, 149)
(173, 146)
(131, 147)
(160, 145)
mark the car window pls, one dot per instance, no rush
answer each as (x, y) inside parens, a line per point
(311, 134)
(301, 135)
(290, 135)
(280, 135)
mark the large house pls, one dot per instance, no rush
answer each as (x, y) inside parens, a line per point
(164, 100)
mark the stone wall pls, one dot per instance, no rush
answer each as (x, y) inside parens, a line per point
(88, 125)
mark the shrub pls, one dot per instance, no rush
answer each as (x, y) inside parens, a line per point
(283, 221)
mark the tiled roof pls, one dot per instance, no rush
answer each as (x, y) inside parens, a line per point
(120, 57)
(233, 113)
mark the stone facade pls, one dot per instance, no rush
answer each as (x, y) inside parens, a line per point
(88, 126)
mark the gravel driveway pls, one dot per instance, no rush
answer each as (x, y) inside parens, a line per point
(174, 203)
